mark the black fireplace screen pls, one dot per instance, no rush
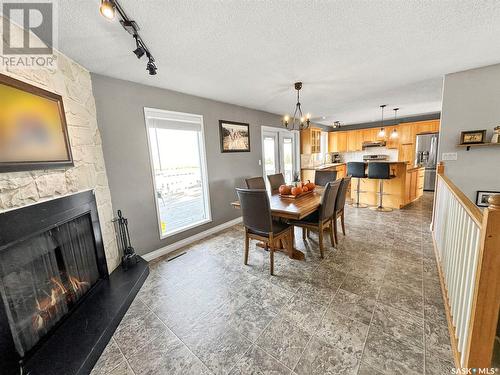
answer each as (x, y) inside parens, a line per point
(42, 278)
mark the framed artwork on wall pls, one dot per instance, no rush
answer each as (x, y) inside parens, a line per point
(472, 137)
(234, 136)
(33, 130)
(483, 196)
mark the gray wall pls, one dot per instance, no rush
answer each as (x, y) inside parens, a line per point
(120, 115)
(471, 101)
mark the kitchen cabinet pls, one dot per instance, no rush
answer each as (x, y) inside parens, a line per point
(310, 141)
(431, 126)
(369, 135)
(415, 184)
(392, 143)
(407, 153)
(354, 140)
(406, 133)
(337, 142)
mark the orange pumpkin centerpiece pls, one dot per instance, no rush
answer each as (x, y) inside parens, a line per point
(310, 185)
(284, 190)
(297, 190)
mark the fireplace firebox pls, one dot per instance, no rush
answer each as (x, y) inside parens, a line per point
(51, 259)
(43, 277)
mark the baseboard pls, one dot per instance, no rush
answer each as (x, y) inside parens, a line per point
(187, 241)
(444, 291)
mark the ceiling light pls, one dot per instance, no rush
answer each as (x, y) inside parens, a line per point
(336, 125)
(298, 121)
(151, 67)
(381, 133)
(139, 51)
(107, 9)
(394, 133)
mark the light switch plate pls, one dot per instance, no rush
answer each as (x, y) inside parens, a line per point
(260, 162)
(449, 156)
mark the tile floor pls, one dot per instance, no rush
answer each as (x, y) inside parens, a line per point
(372, 306)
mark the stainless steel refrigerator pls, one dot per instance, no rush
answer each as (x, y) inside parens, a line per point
(426, 155)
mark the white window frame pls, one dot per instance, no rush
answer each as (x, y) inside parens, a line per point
(179, 117)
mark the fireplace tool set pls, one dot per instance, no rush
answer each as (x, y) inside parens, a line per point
(129, 257)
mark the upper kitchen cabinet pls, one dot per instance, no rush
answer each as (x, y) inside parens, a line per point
(310, 141)
(407, 133)
(431, 126)
(354, 140)
(390, 141)
(369, 135)
(337, 142)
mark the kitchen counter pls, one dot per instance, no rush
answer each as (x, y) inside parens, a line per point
(323, 166)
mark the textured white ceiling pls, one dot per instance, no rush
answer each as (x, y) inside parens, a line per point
(351, 55)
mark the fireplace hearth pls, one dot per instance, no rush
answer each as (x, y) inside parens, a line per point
(58, 304)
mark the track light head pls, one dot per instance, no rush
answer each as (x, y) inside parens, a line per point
(151, 67)
(139, 52)
(107, 9)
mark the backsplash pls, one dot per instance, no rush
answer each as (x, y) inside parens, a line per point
(358, 155)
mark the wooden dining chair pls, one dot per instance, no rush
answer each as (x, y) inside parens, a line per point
(259, 225)
(322, 218)
(321, 178)
(255, 183)
(340, 205)
(276, 180)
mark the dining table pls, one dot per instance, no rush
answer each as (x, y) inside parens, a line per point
(292, 208)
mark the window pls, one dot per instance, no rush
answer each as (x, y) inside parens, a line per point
(178, 162)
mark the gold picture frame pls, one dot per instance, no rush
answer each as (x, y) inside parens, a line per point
(472, 137)
(33, 129)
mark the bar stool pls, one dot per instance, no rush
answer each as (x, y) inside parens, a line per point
(381, 172)
(357, 169)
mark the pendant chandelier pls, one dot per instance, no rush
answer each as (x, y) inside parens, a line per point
(394, 133)
(381, 133)
(298, 121)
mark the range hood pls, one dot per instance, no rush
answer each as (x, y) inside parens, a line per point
(373, 144)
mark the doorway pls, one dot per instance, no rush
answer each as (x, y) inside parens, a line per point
(280, 152)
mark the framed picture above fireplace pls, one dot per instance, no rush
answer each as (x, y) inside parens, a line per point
(33, 130)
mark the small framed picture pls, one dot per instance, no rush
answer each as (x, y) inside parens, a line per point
(472, 137)
(234, 136)
(482, 197)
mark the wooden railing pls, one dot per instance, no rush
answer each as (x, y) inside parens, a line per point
(467, 246)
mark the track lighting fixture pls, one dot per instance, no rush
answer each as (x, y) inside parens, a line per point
(108, 9)
(151, 67)
(139, 51)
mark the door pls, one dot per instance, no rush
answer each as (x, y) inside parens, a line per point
(286, 151)
(279, 153)
(270, 149)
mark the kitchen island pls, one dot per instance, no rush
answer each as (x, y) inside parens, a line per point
(406, 186)
(307, 173)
